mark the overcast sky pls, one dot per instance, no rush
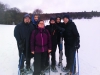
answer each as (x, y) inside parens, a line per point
(54, 6)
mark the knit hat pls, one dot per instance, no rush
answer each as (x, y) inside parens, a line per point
(52, 19)
(27, 15)
(66, 16)
(58, 17)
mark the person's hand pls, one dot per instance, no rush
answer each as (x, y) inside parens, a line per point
(49, 51)
(77, 46)
(32, 52)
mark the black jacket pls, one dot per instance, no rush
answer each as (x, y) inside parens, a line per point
(53, 30)
(71, 35)
(22, 33)
(59, 34)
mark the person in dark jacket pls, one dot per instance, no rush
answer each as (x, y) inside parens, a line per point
(53, 30)
(60, 34)
(58, 22)
(35, 20)
(22, 34)
(72, 43)
(40, 47)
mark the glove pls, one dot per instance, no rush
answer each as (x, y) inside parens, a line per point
(62, 29)
(77, 46)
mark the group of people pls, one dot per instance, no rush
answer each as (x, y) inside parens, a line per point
(37, 40)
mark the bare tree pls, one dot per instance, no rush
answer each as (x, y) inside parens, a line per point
(37, 11)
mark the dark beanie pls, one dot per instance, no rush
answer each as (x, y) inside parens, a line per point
(27, 15)
(52, 19)
(58, 17)
(66, 16)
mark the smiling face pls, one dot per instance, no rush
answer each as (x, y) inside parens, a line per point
(65, 20)
(41, 24)
(58, 20)
(36, 17)
(52, 22)
(26, 20)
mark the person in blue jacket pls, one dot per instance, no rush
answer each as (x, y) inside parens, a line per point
(35, 20)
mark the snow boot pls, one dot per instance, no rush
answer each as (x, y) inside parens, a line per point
(22, 72)
(29, 70)
(65, 69)
(54, 69)
(42, 73)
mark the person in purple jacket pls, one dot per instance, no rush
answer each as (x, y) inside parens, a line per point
(40, 46)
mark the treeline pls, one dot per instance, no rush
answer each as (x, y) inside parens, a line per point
(14, 15)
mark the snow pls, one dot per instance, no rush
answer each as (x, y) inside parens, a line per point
(89, 52)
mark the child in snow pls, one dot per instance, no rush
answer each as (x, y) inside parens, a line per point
(40, 46)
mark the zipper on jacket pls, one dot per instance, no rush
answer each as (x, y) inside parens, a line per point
(42, 42)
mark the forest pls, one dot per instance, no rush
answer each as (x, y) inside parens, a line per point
(14, 15)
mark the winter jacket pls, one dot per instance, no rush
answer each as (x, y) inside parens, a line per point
(41, 41)
(71, 35)
(53, 30)
(59, 34)
(22, 33)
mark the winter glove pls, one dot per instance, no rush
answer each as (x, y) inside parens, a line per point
(62, 29)
(77, 43)
(77, 46)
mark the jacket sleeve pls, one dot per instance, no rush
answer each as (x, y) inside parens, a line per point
(60, 29)
(49, 41)
(17, 33)
(76, 34)
(32, 41)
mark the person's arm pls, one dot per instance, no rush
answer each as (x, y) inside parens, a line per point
(32, 42)
(61, 29)
(17, 33)
(76, 35)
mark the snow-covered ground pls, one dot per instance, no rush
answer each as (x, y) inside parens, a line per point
(89, 53)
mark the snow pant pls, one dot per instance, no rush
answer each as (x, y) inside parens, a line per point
(53, 58)
(70, 58)
(39, 62)
(22, 58)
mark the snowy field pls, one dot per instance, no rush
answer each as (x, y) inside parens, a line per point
(89, 53)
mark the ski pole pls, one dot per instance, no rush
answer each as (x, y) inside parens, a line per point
(74, 64)
(78, 61)
(49, 63)
(20, 63)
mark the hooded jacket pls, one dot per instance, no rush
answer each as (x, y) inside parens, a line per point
(22, 33)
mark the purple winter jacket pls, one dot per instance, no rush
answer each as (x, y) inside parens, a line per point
(41, 42)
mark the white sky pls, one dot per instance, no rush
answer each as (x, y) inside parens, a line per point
(54, 6)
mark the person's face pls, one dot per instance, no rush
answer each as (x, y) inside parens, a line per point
(27, 20)
(52, 22)
(41, 24)
(58, 20)
(65, 20)
(36, 17)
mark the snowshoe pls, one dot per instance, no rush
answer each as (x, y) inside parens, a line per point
(65, 69)
(29, 70)
(54, 69)
(42, 73)
(60, 65)
(69, 73)
(22, 72)
(47, 68)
